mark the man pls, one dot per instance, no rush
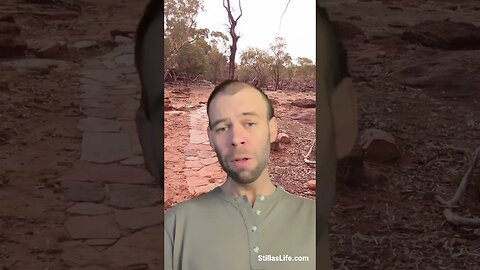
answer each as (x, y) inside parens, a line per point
(247, 222)
(336, 122)
(149, 63)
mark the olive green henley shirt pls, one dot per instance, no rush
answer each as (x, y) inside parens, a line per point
(216, 231)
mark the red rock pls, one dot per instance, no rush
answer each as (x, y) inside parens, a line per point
(379, 146)
(283, 138)
(312, 184)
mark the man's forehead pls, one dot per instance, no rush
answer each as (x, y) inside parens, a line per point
(241, 93)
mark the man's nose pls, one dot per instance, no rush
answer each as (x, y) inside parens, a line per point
(238, 136)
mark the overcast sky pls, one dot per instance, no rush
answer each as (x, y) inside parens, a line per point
(260, 24)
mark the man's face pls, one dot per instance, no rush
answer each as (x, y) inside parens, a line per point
(241, 133)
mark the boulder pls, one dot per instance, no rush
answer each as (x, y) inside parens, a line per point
(378, 146)
(304, 103)
(446, 35)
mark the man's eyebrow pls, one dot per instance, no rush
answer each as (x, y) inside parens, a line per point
(218, 122)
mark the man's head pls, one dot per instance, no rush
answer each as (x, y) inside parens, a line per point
(241, 127)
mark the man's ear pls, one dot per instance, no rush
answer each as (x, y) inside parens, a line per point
(273, 126)
(344, 110)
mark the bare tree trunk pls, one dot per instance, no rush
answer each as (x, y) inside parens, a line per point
(235, 37)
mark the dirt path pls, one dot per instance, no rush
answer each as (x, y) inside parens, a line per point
(72, 184)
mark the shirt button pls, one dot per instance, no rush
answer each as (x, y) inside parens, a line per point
(254, 228)
(262, 198)
(258, 212)
(256, 249)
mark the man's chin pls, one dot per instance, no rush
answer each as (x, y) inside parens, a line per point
(242, 178)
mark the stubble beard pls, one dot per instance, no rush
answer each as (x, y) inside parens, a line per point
(245, 176)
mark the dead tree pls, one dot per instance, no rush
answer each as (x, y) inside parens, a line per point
(235, 37)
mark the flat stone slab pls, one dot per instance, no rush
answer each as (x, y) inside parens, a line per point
(83, 191)
(89, 209)
(139, 218)
(198, 138)
(133, 196)
(100, 242)
(100, 113)
(133, 161)
(124, 91)
(193, 164)
(142, 247)
(209, 161)
(96, 227)
(95, 124)
(76, 254)
(125, 60)
(91, 267)
(109, 63)
(107, 173)
(129, 127)
(36, 64)
(207, 154)
(128, 115)
(85, 44)
(101, 75)
(105, 147)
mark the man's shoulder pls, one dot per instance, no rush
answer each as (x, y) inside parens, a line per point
(193, 205)
(299, 201)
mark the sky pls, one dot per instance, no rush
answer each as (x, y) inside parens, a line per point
(260, 24)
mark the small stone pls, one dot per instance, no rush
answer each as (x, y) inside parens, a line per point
(133, 161)
(193, 164)
(83, 191)
(312, 184)
(132, 196)
(38, 65)
(191, 152)
(283, 138)
(304, 103)
(139, 218)
(92, 227)
(107, 173)
(122, 40)
(89, 209)
(85, 44)
(77, 254)
(105, 147)
(149, 241)
(379, 146)
(98, 125)
(100, 242)
(100, 113)
(125, 60)
(90, 267)
(45, 48)
(208, 161)
(206, 154)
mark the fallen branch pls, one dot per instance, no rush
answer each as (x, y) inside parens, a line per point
(462, 186)
(306, 159)
(449, 215)
(458, 220)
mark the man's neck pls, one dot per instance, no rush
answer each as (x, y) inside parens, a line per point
(262, 186)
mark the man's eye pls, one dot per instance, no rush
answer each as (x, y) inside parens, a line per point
(222, 129)
(251, 124)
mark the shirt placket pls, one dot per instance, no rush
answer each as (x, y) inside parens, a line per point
(250, 215)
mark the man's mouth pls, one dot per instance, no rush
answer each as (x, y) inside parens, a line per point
(241, 162)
